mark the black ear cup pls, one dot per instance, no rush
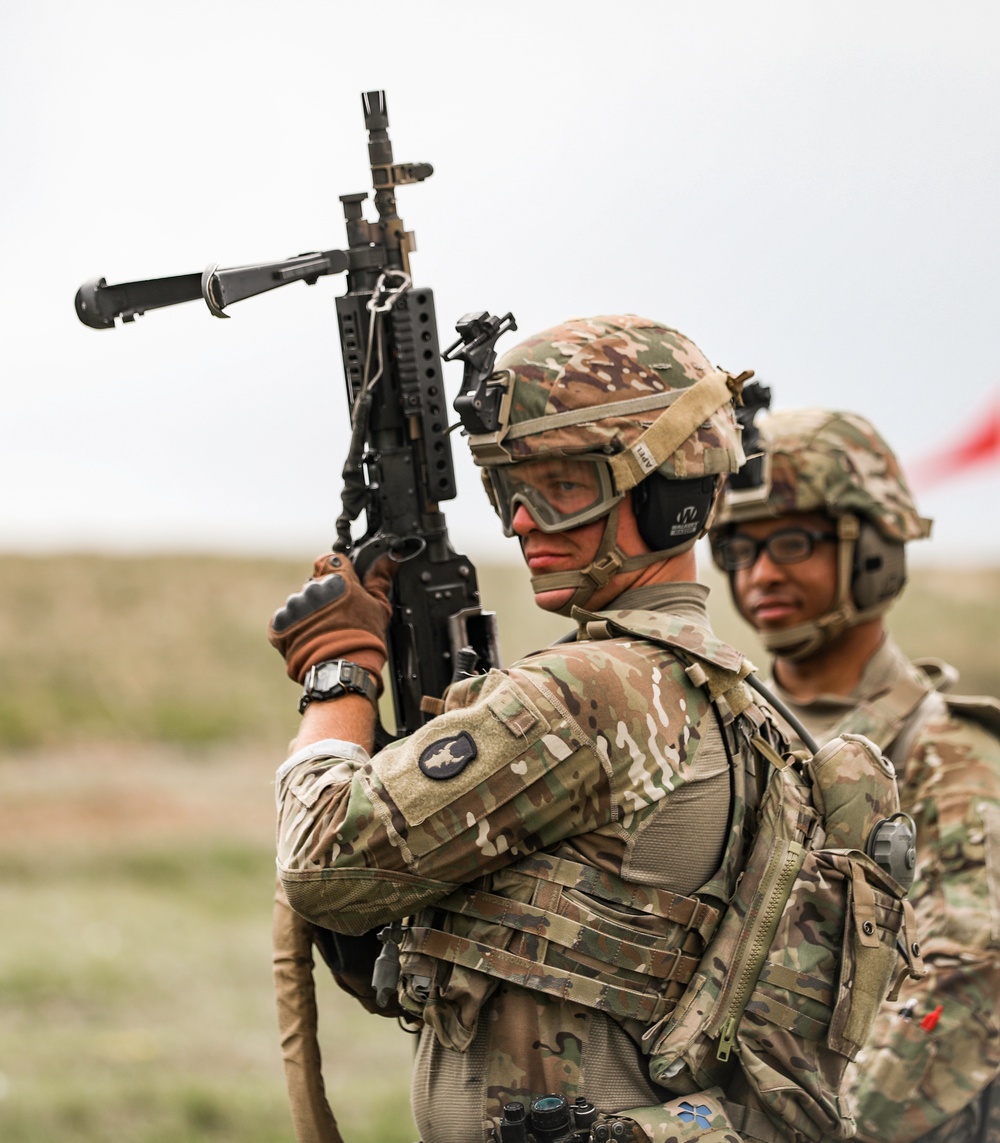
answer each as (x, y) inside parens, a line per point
(879, 570)
(672, 512)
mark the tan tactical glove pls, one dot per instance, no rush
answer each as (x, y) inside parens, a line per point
(335, 616)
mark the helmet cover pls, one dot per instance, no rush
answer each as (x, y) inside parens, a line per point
(820, 460)
(625, 372)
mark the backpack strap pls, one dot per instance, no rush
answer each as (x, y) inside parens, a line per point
(894, 718)
(884, 717)
(709, 662)
(930, 706)
(941, 675)
(721, 671)
(982, 709)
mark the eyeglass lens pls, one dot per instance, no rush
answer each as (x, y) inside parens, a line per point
(787, 546)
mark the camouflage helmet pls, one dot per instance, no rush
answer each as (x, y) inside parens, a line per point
(836, 463)
(818, 460)
(637, 400)
(596, 385)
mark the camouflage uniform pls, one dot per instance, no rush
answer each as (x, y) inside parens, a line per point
(914, 1081)
(937, 1047)
(598, 763)
(546, 833)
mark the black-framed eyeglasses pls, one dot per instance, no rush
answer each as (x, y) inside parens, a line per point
(739, 551)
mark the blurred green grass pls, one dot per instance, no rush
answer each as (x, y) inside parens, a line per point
(172, 649)
(142, 714)
(135, 981)
(168, 649)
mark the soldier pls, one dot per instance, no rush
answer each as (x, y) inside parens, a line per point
(588, 787)
(815, 556)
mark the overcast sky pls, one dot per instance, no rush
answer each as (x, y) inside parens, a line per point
(809, 190)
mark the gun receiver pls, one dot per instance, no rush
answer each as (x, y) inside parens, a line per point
(399, 465)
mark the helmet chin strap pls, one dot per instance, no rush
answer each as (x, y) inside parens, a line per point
(805, 639)
(608, 561)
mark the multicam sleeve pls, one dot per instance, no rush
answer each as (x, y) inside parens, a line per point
(938, 1046)
(361, 843)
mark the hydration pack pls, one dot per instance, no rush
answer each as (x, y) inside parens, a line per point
(790, 983)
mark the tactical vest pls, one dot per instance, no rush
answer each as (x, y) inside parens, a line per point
(765, 983)
(554, 925)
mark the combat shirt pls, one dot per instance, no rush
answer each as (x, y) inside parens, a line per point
(601, 753)
(937, 1047)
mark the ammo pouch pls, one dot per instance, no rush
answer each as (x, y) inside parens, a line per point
(556, 926)
(790, 985)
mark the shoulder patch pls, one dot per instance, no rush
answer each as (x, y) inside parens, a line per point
(449, 756)
(461, 750)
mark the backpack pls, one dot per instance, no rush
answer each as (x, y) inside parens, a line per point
(792, 979)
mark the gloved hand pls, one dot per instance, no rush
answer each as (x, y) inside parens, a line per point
(335, 616)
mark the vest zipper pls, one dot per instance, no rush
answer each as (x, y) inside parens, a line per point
(774, 890)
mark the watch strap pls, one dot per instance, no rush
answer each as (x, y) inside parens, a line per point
(333, 678)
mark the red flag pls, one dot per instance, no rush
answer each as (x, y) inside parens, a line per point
(978, 445)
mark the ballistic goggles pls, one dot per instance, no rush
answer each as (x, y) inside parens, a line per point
(558, 492)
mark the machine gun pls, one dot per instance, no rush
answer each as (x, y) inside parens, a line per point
(399, 465)
(399, 468)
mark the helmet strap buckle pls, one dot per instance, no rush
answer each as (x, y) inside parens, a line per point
(604, 569)
(848, 527)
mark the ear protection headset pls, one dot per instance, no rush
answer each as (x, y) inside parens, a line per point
(672, 512)
(878, 570)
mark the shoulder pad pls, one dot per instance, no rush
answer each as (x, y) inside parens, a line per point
(941, 675)
(695, 640)
(981, 709)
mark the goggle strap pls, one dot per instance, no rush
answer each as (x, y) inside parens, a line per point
(666, 434)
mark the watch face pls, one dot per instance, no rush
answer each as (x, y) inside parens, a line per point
(327, 676)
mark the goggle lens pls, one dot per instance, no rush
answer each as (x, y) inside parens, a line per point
(558, 492)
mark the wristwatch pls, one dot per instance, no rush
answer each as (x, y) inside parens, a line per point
(334, 678)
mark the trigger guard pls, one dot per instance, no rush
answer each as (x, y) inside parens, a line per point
(406, 548)
(399, 549)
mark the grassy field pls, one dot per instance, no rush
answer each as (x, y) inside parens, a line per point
(141, 716)
(135, 991)
(169, 649)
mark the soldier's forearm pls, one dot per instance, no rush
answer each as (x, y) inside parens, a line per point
(351, 717)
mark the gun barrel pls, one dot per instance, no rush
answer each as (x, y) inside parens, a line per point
(98, 304)
(223, 287)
